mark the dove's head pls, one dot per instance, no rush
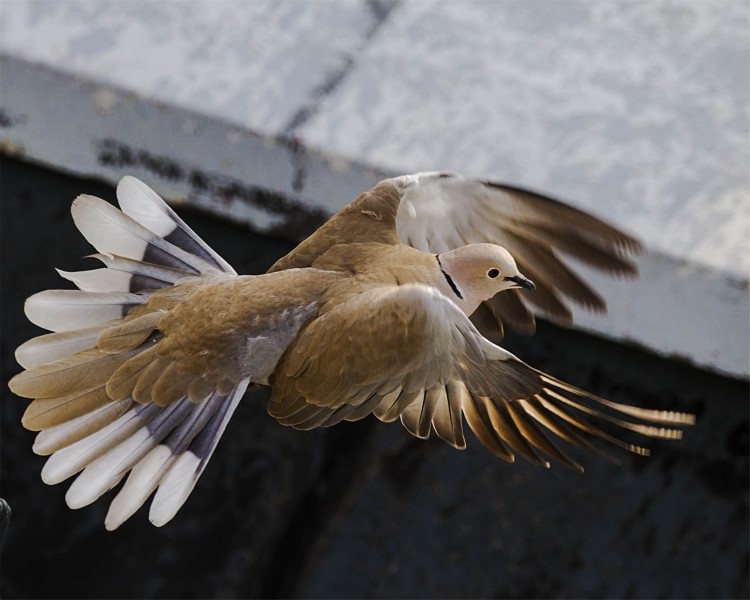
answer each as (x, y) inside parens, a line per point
(477, 272)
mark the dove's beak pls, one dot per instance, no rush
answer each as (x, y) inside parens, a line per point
(522, 282)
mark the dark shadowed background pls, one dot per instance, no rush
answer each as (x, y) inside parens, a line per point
(364, 509)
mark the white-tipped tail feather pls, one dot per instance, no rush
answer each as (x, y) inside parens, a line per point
(98, 280)
(140, 202)
(181, 478)
(67, 433)
(54, 346)
(69, 310)
(105, 472)
(149, 472)
(85, 431)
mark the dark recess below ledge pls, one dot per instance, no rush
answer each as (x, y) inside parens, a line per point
(364, 510)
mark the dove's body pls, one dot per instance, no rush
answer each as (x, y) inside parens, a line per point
(369, 315)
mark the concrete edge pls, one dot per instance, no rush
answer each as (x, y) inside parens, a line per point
(276, 185)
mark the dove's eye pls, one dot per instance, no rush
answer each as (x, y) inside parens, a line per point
(492, 273)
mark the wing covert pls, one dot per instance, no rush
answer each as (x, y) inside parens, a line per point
(407, 352)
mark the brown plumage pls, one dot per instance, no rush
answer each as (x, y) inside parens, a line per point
(369, 315)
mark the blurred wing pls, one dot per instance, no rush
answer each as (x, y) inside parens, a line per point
(407, 352)
(440, 211)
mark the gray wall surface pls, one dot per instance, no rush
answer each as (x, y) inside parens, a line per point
(636, 110)
(363, 509)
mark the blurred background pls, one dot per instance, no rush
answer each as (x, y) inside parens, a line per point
(257, 120)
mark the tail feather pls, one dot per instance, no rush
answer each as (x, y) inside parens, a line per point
(81, 371)
(182, 476)
(104, 402)
(70, 460)
(129, 335)
(106, 471)
(49, 441)
(145, 206)
(98, 280)
(111, 231)
(122, 382)
(67, 310)
(142, 391)
(144, 276)
(54, 346)
(44, 413)
(170, 386)
(149, 472)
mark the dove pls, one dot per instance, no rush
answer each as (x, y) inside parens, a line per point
(377, 312)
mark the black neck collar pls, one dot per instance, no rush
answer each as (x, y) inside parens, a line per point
(448, 278)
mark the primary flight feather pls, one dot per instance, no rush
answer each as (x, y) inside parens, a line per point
(369, 315)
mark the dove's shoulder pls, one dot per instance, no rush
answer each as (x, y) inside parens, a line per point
(370, 218)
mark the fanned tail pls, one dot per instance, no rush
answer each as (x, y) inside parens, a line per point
(99, 330)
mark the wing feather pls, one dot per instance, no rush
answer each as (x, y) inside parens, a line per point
(435, 212)
(441, 211)
(547, 267)
(408, 352)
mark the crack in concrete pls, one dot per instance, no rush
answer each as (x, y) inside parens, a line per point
(380, 9)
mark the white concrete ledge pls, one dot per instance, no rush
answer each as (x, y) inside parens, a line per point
(276, 114)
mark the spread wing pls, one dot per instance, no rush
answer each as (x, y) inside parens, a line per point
(442, 211)
(407, 352)
(435, 212)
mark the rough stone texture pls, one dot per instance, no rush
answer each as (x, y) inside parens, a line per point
(300, 46)
(635, 109)
(364, 510)
(277, 113)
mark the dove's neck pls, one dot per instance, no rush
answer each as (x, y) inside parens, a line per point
(455, 286)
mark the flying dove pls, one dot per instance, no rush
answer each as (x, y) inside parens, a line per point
(149, 359)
